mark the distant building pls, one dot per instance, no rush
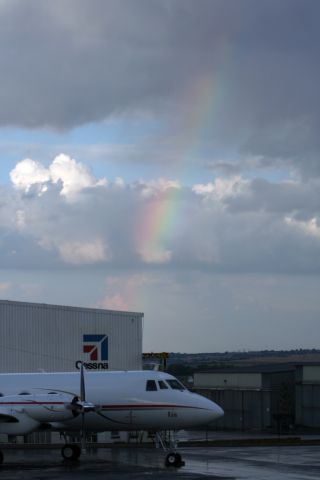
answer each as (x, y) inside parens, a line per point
(308, 395)
(253, 398)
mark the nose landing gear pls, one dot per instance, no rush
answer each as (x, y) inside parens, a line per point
(173, 458)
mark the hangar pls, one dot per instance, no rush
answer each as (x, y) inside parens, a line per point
(308, 395)
(262, 397)
(38, 337)
(253, 398)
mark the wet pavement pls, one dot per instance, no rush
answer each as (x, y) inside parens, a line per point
(247, 463)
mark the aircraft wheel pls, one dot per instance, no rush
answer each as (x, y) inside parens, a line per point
(70, 452)
(174, 460)
(1, 457)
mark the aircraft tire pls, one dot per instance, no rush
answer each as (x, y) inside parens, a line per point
(1, 457)
(174, 460)
(70, 452)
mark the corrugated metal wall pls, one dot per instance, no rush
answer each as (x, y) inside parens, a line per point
(308, 405)
(50, 337)
(270, 404)
(244, 409)
(308, 396)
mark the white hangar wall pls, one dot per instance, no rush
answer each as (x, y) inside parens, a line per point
(35, 337)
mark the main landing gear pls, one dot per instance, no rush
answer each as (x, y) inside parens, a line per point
(1, 457)
(71, 451)
(173, 458)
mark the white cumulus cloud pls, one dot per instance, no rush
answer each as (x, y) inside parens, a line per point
(227, 225)
(74, 176)
(158, 186)
(27, 173)
(222, 188)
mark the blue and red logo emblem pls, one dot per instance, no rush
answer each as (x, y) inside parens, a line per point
(96, 346)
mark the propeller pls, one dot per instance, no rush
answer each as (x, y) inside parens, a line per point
(85, 408)
(81, 407)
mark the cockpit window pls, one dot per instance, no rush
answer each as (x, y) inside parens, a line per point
(162, 385)
(151, 386)
(175, 384)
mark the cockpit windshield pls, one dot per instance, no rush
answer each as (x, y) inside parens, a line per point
(151, 386)
(175, 384)
(163, 385)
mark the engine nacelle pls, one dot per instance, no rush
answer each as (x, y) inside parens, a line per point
(16, 422)
(47, 408)
(22, 414)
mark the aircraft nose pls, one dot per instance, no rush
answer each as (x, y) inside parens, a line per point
(218, 411)
(214, 411)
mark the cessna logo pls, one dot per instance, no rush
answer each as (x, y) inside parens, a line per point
(96, 347)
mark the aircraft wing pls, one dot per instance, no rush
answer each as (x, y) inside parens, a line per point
(6, 416)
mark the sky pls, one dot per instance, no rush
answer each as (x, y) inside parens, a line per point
(163, 156)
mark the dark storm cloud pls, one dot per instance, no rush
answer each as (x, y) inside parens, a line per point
(64, 63)
(289, 197)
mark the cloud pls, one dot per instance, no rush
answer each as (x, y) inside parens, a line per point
(124, 291)
(309, 227)
(28, 173)
(213, 73)
(231, 224)
(223, 94)
(223, 188)
(155, 255)
(80, 253)
(157, 187)
(73, 176)
(114, 302)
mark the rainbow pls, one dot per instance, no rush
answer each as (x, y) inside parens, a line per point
(163, 215)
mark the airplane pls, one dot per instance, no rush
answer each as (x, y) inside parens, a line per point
(116, 400)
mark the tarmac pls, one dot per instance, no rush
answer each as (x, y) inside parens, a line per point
(213, 455)
(299, 462)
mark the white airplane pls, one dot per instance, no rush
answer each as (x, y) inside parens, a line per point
(127, 400)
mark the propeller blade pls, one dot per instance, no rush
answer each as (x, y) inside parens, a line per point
(82, 385)
(83, 434)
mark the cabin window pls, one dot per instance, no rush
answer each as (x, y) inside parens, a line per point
(151, 386)
(162, 385)
(175, 384)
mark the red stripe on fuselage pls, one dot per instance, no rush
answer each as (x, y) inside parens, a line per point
(109, 407)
